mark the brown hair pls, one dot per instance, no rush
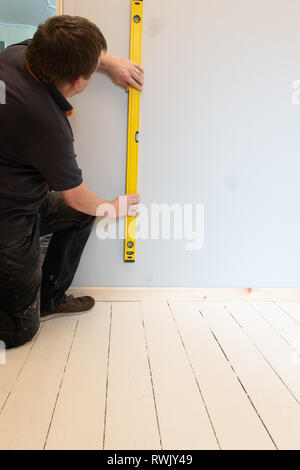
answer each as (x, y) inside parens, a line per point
(64, 48)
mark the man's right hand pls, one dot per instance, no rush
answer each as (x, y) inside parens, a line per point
(84, 200)
(126, 205)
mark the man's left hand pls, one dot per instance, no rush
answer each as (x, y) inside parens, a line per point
(124, 72)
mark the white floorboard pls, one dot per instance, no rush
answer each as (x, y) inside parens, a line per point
(272, 346)
(26, 416)
(278, 409)
(15, 361)
(183, 418)
(166, 375)
(78, 419)
(287, 327)
(292, 309)
(236, 422)
(131, 421)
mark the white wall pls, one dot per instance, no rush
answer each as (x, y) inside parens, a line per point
(218, 128)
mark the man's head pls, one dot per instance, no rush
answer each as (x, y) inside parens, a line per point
(65, 51)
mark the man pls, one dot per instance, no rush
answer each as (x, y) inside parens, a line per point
(37, 154)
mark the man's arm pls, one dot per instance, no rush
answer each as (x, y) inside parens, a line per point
(124, 72)
(84, 200)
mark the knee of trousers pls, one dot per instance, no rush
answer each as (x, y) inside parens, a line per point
(21, 337)
(29, 321)
(31, 330)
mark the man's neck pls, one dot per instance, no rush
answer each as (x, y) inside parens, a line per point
(64, 90)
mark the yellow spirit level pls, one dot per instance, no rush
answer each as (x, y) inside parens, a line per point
(133, 126)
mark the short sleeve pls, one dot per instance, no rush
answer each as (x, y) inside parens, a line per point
(55, 159)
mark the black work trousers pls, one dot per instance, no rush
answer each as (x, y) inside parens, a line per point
(27, 288)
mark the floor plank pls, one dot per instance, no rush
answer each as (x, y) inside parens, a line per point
(292, 308)
(157, 374)
(9, 372)
(275, 405)
(78, 420)
(183, 419)
(236, 422)
(131, 418)
(26, 416)
(274, 348)
(285, 326)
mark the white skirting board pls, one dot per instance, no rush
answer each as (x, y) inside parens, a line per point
(187, 294)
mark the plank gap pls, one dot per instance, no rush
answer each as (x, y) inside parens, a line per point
(194, 374)
(151, 378)
(60, 385)
(107, 372)
(263, 355)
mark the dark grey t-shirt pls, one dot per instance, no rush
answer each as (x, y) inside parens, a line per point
(36, 145)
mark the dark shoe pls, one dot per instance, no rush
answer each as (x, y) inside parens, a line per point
(71, 306)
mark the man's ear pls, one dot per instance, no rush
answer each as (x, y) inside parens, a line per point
(76, 84)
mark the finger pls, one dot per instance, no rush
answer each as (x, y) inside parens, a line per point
(132, 212)
(135, 81)
(138, 78)
(133, 200)
(134, 207)
(139, 68)
(135, 84)
(138, 73)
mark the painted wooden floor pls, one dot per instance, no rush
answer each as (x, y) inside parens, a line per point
(157, 375)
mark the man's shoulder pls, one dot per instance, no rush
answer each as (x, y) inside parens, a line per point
(14, 50)
(23, 43)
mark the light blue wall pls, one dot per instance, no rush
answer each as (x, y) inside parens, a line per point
(14, 33)
(19, 19)
(32, 12)
(218, 128)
